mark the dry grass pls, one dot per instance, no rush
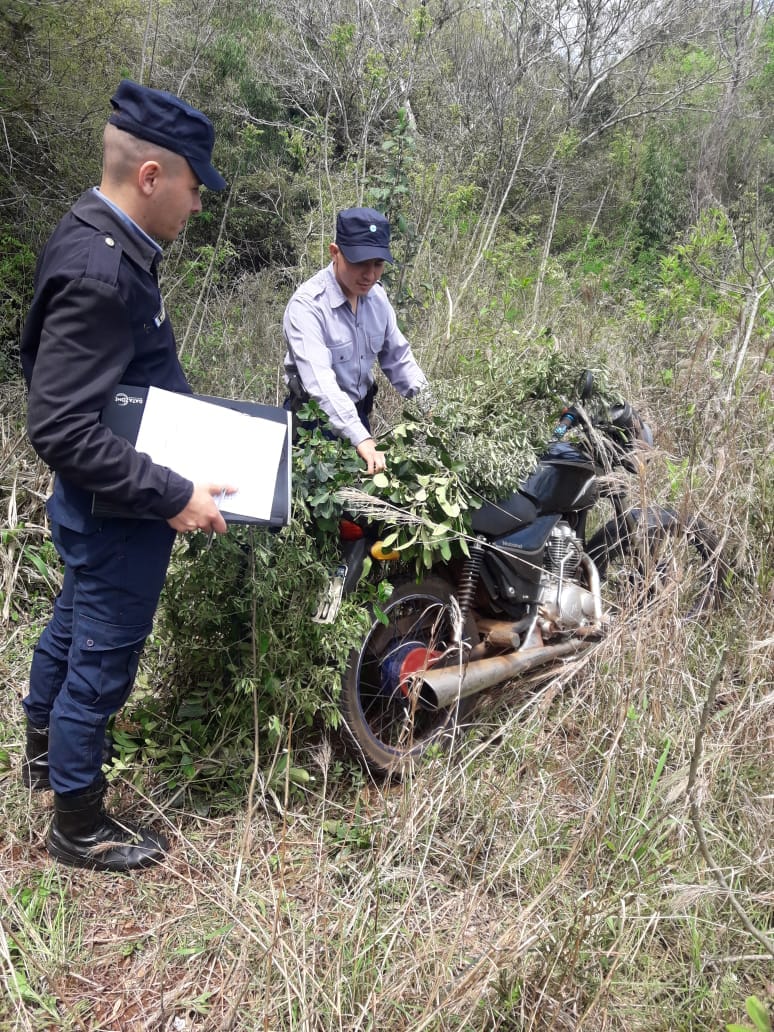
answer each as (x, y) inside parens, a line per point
(544, 875)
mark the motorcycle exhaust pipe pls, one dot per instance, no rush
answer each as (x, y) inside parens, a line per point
(445, 686)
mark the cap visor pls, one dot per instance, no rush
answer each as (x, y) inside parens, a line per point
(365, 253)
(208, 175)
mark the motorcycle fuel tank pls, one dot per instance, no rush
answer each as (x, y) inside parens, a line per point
(564, 479)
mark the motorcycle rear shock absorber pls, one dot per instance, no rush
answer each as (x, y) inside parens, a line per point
(469, 578)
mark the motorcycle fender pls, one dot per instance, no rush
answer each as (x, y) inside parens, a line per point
(655, 517)
(353, 555)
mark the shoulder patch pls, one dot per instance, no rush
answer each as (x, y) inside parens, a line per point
(104, 259)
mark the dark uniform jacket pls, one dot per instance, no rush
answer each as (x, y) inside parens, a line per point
(97, 319)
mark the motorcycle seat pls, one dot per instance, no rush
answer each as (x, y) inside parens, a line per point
(494, 519)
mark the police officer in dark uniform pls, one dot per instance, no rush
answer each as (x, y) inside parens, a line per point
(97, 319)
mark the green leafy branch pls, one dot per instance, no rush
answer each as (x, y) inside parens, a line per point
(421, 496)
(425, 483)
(475, 445)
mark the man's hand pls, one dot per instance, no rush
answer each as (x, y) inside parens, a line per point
(425, 402)
(202, 512)
(374, 459)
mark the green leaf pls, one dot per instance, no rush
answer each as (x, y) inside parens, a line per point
(758, 1013)
(37, 562)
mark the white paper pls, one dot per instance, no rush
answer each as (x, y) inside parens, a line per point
(209, 444)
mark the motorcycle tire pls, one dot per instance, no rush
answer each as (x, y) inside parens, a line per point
(679, 567)
(386, 724)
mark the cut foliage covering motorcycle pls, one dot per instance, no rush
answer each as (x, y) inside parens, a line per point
(540, 577)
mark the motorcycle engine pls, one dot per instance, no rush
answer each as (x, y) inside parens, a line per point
(563, 552)
(564, 604)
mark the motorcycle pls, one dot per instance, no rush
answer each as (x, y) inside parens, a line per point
(542, 583)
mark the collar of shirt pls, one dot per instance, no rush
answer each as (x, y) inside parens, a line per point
(127, 219)
(93, 210)
(336, 296)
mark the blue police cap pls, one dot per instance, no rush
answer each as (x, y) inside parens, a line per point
(363, 233)
(166, 120)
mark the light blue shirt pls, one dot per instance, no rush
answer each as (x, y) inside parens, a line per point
(334, 350)
(126, 218)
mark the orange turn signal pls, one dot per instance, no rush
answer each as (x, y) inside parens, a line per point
(378, 552)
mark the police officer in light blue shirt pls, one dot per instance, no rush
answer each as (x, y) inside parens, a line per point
(339, 324)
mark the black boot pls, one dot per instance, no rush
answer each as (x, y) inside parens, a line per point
(83, 835)
(35, 762)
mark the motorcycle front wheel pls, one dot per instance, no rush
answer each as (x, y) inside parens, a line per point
(658, 559)
(386, 723)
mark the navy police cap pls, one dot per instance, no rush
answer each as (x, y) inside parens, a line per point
(363, 233)
(166, 120)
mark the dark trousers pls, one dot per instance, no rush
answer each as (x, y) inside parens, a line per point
(85, 662)
(364, 408)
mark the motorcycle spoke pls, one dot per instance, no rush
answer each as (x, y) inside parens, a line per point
(672, 568)
(381, 693)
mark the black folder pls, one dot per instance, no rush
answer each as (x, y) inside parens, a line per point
(123, 414)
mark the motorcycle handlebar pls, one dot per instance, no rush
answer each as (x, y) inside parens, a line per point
(568, 419)
(620, 418)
